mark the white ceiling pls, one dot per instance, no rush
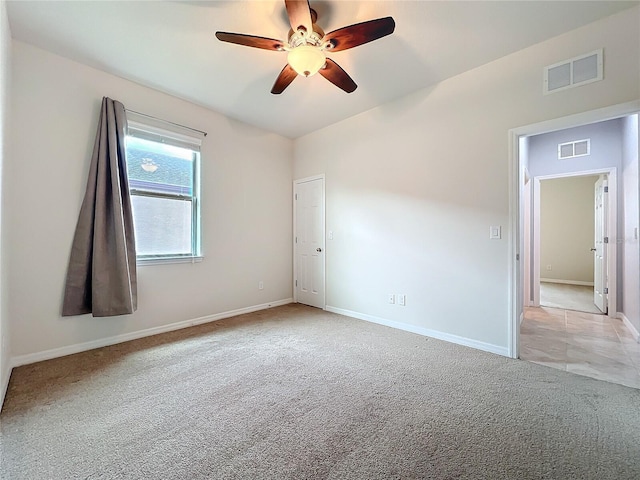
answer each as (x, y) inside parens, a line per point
(171, 46)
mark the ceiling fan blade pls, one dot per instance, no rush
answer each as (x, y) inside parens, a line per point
(336, 75)
(285, 78)
(360, 33)
(250, 40)
(299, 14)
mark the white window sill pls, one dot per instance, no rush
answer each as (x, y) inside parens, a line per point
(140, 262)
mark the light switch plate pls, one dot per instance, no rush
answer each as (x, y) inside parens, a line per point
(495, 232)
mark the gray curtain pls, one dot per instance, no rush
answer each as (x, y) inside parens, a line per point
(101, 278)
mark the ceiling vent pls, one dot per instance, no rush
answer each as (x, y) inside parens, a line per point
(579, 148)
(574, 72)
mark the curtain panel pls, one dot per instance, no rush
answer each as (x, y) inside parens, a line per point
(101, 278)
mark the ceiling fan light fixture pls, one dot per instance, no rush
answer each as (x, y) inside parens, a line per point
(307, 45)
(306, 60)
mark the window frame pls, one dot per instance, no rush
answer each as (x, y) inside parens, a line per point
(169, 134)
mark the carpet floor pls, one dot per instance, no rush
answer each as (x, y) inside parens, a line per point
(298, 393)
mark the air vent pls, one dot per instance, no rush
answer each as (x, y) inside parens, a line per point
(579, 148)
(574, 72)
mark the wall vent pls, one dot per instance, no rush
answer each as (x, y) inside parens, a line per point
(574, 72)
(579, 148)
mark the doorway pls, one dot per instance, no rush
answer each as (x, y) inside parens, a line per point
(308, 241)
(574, 266)
(582, 343)
(519, 140)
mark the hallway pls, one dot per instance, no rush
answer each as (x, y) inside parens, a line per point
(582, 343)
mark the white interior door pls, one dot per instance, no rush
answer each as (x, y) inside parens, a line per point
(600, 247)
(309, 274)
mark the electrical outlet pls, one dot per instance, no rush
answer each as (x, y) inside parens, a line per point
(402, 300)
(392, 298)
(260, 285)
(548, 267)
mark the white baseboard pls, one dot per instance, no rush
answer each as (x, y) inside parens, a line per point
(567, 282)
(447, 337)
(6, 375)
(630, 326)
(104, 342)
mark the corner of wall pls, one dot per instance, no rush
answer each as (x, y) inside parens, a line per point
(5, 61)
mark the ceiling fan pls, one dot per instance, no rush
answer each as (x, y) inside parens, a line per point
(307, 45)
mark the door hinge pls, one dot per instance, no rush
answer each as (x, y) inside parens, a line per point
(606, 239)
(296, 239)
(296, 283)
(606, 189)
(517, 256)
(296, 196)
(606, 290)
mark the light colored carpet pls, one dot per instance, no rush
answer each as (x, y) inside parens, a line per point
(568, 297)
(298, 393)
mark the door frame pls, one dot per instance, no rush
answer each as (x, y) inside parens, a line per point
(611, 232)
(516, 177)
(295, 229)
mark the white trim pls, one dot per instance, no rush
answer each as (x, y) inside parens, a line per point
(447, 337)
(567, 282)
(309, 179)
(104, 342)
(630, 326)
(324, 235)
(5, 382)
(611, 232)
(515, 247)
(524, 226)
(141, 262)
(536, 242)
(578, 173)
(515, 242)
(576, 120)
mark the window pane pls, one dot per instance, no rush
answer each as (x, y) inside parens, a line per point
(160, 168)
(162, 225)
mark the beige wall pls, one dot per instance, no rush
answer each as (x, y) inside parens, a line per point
(412, 188)
(5, 62)
(567, 229)
(246, 207)
(414, 185)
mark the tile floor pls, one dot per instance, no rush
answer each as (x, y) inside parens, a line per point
(583, 343)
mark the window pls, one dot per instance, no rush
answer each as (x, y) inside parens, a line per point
(163, 167)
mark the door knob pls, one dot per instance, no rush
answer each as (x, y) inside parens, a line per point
(593, 249)
(318, 249)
